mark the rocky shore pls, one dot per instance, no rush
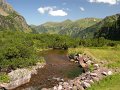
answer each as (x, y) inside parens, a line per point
(21, 76)
(93, 73)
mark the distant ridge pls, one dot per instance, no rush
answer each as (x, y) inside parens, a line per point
(66, 27)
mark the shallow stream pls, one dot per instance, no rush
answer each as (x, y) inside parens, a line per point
(58, 68)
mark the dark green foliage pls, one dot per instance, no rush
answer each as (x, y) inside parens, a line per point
(98, 42)
(54, 41)
(110, 28)
(16, 50)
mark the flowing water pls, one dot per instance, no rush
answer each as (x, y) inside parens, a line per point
(58, 68)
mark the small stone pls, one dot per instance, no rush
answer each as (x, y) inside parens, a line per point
(102, 62)
(85, 84)
(60, 83)
(89, 81)
(79, 55)
(55, 88)
(44, 89)
(62, 80)
(71, 83)
(80, 87)
(93, 74)
(65, 84)
(77, 82)
(88, 73)
(85, 59)
(96, 66)
(109, 72)
(82, 78)
(74, 88)
(95, 78)
(76, 61)
(72, 60)
(89, 62)
(60, 87)
(104, 73)
(75, 57)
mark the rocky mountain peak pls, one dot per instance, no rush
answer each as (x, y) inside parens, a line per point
(5, 8)
(11, 20)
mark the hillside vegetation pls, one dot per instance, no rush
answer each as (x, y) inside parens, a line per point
(108, 28)
(111, 28)
(20, 49)
(66, 27)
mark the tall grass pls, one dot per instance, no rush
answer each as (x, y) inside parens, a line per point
(108, 83)
(111, 55)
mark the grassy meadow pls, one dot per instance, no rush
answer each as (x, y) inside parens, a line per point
(111, 57)
(108, 83)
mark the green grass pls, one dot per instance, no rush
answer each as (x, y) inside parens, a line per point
(73, 51)
(108, 83)
(111, 55)
(4, 78)
(41, 60)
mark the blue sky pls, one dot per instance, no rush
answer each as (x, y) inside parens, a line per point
(40, 11)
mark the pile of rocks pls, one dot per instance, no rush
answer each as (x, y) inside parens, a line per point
(76, 58)
(21, 76)
(86, 79)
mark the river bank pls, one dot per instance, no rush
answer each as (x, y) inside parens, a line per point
(58, 68)
(21, 76)
(95, 73)
(61, 74)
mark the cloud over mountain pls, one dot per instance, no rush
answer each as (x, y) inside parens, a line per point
(52, 11)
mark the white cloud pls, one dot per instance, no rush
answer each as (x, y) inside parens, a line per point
(82, 9)
(111, 2)
(52, 11)
(57, 13)
(42, 10)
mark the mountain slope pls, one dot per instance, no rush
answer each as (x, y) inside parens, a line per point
(78, 26)
(11, 20)
(108, 28)
(111, 28)
(66, 27)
